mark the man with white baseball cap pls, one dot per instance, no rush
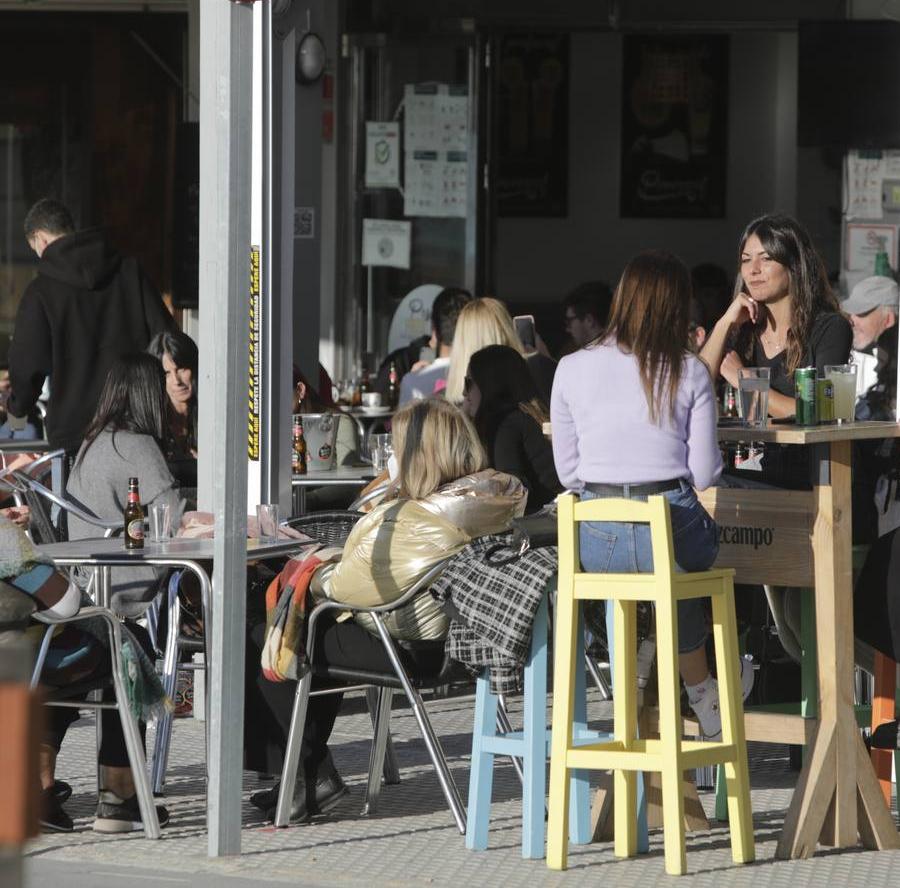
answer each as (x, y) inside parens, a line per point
(873, 308)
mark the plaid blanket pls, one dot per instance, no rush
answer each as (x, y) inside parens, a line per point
(494, 593)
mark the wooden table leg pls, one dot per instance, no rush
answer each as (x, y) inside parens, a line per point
(835, 777)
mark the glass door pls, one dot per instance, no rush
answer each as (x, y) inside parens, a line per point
(413, 158)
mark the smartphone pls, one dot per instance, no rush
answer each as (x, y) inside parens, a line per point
(525, 331)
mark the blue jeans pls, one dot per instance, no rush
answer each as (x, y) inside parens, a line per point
(612, 547)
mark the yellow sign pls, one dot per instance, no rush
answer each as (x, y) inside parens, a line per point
(254, 376)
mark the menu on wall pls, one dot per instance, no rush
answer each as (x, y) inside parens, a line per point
(435, 150)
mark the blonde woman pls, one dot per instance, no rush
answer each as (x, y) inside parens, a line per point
(485, 322)
(445, 497)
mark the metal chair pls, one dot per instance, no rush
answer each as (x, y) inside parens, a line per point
(72, 697)
(368, 497)
(329, 528)
(400, 678)
(36, 496)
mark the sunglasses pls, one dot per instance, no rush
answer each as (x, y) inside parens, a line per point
(468, 382)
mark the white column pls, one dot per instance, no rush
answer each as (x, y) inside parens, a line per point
(225, 121)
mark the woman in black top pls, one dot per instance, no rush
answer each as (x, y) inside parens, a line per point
(177, 353)
(500, 395)
(784, 314)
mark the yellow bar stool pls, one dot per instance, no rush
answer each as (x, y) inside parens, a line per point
(626, 754)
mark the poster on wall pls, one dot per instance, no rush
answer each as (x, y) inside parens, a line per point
(533, 133)
(865, 241)
(435, 144)
(386, 243)
(674, 126)
(382, 154)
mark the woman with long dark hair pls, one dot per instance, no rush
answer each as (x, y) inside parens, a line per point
(177, 353)
(634, 415)
(502, 399)
(122, 442)
(784, 314)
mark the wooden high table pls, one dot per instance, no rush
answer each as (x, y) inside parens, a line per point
(837, 800)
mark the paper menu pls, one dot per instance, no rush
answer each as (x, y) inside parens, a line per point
(436, 183)
(436, 140)
(864, 176)
(436, 117)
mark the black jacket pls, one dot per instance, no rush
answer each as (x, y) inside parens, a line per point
(87, 307)
(520, 449)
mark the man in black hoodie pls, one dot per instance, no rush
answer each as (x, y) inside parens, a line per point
(87, 307)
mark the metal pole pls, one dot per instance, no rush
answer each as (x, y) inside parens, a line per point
(225, 122)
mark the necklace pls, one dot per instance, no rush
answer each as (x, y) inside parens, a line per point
(773, 341)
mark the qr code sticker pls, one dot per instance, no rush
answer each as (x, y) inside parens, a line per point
(304, 222)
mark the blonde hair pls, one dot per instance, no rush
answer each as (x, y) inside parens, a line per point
(481, 323)
(435, 443)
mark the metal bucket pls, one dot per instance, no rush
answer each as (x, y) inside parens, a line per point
(320, 432)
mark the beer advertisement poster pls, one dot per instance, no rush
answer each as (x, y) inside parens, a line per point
(674, 126)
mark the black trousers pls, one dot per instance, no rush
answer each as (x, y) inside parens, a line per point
(112, 753)
(876, 598)
(268, 705)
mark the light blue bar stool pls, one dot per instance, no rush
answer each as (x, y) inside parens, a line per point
(532, 745)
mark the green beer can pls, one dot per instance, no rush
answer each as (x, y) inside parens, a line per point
(825, 400)
(805, 393)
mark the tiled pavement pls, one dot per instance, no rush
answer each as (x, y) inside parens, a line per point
(411, 841)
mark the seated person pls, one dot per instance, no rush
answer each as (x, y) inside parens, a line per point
(29, 431)
(501, 398)
(876, 613)
(427, 380)
(124, 441)
(872, 308)
(586, 309)
(75, 656)
(177, 353)
(446, 498)
(485, 322)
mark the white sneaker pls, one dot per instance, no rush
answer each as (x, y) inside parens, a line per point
(707, 707)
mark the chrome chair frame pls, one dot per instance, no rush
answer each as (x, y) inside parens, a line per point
(130, 729)
(382, 713)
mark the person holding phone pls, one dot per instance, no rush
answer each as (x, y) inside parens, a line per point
(784, 314)
(485, 322)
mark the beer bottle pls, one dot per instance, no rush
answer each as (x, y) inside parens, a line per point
(730, 402)
(883, 265)
(298, 450)
(393, 385)
(133, 517)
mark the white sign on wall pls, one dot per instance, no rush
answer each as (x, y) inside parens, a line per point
(436, 137)
(865, 240)
(386, 242)
(382, 155)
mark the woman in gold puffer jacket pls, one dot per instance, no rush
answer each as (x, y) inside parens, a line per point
(443, 498)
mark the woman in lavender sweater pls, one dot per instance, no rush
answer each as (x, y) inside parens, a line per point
(634, 415)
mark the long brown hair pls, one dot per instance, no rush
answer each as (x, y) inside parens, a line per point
(649, 318)
(788, 243)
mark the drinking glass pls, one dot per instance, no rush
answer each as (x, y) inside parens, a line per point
(267, 519)
(160, 527)
(380, 448)
(843, 379)
(753, 389)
